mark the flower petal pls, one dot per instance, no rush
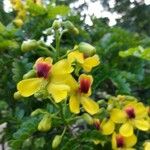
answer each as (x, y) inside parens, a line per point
(76, 56)
(140, 110)
(107, 127)
(74, 104)
(62, 67)
(113, 141)
(58, 91)
(28, 87)
(90, 62)
(89, 105)
(141, 124)
(130, 141)
(126, 129)
(118, 116)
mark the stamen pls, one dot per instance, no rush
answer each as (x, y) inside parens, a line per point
(119, 141)
(85, 85)
(43, 69)
(130, 112)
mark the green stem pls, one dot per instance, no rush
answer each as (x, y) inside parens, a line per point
(57, 43)
(53, 102)
(64, 131)
(53, 49)
(62, 114)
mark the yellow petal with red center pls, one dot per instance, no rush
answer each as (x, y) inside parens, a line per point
(126, 129)
(74, 104)
(90, 62)
(141, 124)
(76, 56)
(62, 67)
(29, 86)
(88, 77)
(58, 91)
(107, 127)
(118, 116)
(47, 60)
(113, 141)
(85, 82)
(130, 141)
(89, 105)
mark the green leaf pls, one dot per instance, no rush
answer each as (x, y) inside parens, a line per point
(123, 87)
(27, 128)
(57, 10)
(139, 52)
(20, 67)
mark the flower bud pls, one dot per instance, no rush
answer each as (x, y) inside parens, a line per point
(36, 112)
(68, 25)
(17, 95)
(75, 31)
(29, 74)
(18, 22)
(56, 141)
(87, 118)
(29, 45)
(48, 31)
(45, 123)
(87, 49)
(56, 25)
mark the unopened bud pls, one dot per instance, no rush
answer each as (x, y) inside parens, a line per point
(68, 25)
(56, 25)
(17, 95)
(29, 45)
(56, 141)
(101, 102)
(18, 22)
(121, 97)
(36, 112)
(87, 49)
(87, 118)
(45, 123)
(29, 74)
(75, 31)
(48, 31)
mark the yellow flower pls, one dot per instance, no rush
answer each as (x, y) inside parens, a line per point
(87, 63)
(131, 116)
(106, 126)
(120, 142)
(80, 93)
(48, 76)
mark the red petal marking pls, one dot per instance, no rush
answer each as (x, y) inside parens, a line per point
(43, 69)
(97, 124)
(130, 112)
(120, 141)
(85, 84)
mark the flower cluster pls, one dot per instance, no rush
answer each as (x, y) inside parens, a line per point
(67, 82)
(57, 81)
(125, 115)
(19, 7)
